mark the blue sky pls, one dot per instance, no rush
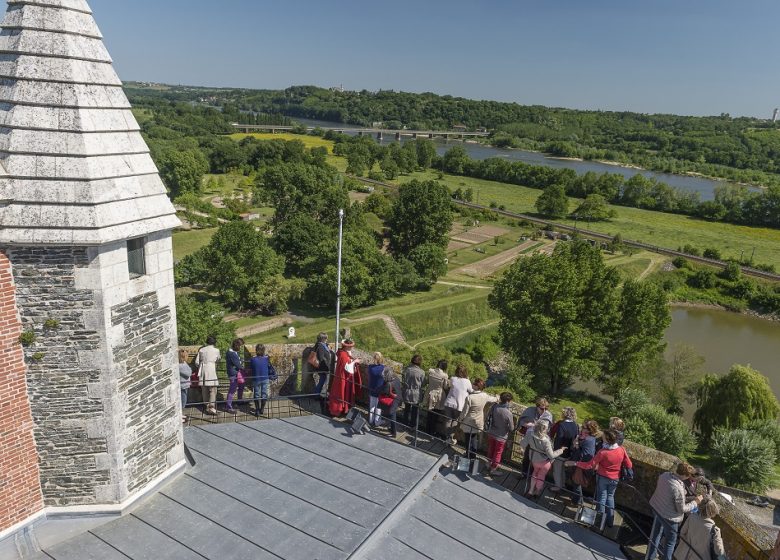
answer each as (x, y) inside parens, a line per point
(676, 56)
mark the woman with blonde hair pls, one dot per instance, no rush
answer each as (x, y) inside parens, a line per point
(699, 536)
(185, 373)
(541, 454)
(472, 417)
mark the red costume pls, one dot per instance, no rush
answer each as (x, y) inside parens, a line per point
(346, 384)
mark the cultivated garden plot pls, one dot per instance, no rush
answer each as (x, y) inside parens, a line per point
(480, 234)
(488, 266)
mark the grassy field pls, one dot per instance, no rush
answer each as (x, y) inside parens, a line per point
(657, 228)
(308, 141)
(419, 324)
(187, 242)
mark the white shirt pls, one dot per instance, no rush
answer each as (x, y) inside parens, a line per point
(460, 387)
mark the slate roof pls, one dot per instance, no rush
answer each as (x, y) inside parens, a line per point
(74, 168)
(303, 489)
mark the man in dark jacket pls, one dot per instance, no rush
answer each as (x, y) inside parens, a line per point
(414, 377)
(324, 367)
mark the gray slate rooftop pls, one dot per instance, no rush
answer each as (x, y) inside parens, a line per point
(303, 489)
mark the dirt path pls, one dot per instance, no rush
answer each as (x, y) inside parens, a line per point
(392, 326)
(463, 285)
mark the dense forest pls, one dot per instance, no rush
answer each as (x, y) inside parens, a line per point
(738, 149)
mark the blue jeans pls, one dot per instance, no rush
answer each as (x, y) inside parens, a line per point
(665, 530)
(260, 390)
(184, 398)
(321, 383)
(605, 496)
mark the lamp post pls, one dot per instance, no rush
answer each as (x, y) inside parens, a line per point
(338, 281)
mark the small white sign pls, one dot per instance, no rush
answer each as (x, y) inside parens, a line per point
(291, 332)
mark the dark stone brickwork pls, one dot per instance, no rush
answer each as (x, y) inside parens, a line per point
(56, 377)
(146, 382)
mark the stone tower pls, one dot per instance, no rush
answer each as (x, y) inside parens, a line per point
(87, 313)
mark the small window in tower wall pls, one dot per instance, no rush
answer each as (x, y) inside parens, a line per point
(136, 262)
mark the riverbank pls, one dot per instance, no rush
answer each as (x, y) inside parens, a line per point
(773, 317)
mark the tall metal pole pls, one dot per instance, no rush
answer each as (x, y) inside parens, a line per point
(338, 281)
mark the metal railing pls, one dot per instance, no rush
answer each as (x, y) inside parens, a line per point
(287, 398)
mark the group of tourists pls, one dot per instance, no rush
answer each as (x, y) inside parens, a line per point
(256, 372)
(579, 456)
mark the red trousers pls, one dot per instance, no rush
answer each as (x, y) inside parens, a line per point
(495, 450)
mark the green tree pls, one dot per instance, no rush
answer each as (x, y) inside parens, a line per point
(359, 160)
(183, 171)
(430, 261)
(734, 400)
(637, 334)
(389, 167)
(703, 279)
(426, 152)
(244, 271)
(557, 314)
(595, 208)
(295, 238)
(677, 377)
(455, 160)
(379, 204)
(421, 214)
(553, 202)
(196, 320)
(293, 188)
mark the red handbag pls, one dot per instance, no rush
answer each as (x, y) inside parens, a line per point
(195, 379)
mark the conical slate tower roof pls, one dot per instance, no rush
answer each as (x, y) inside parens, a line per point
(74, 168)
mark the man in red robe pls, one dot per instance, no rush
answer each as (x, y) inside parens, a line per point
(346, 383)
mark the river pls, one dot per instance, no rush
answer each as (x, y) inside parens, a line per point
(724, 338)
(705, 187)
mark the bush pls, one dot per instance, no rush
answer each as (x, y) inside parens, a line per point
(690, 250)
(732, 272)
(629, 402)
(680, 262)
(743, 459)
(670, 433)
(712, 254)
(703, 279)
(767, 430)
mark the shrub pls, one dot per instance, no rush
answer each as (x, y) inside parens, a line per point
(639, 431)
(690, 250)
(703, 279)
(28, 338)
(711, 254)
(670, 433)
(767, 430)
(732, 272)
(629, 402)
(680, 262)
(743, 459)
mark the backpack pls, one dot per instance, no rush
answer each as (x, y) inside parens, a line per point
(626, 474)
(489, 419)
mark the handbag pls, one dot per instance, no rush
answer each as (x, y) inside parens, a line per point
(312, 360)
(195, 378)
(240, 377)
(386, 400)
(626, 474)
(713, 554)
(581, 477)
(272, 375)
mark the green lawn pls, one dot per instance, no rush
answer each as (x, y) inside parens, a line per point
(656, 228)
(187, 242)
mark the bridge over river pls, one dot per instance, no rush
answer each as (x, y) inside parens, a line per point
(360, 131)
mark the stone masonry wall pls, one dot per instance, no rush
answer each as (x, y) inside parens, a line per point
(57, 378)
(145, 345)
(20, 486)
(102, 370)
